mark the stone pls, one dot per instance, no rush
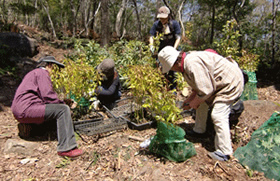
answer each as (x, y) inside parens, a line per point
(20, 147)
(16, 44)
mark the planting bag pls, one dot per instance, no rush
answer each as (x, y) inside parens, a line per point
(250, 89)
(83, 102)
(262, 153)
(170, 142)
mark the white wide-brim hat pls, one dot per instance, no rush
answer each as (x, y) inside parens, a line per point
(167, 57)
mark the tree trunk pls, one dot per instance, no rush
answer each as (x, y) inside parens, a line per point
(34, 20)
(180, 18)
(273, 34)
(89, 20)
(238, 25)
(49, 17)
(119, 18)
(25, 14)
(74, 15)
(105, 23)
(138, 19)
(212, 24)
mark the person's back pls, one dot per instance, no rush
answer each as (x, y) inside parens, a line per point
(224, 75)
(34, 92)
(110, 89)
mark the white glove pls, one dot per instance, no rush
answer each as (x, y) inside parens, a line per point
(96, 104)
(152, 48)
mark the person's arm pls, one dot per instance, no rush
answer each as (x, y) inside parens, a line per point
(177, 42)
(48, 95)
(110, 91)
(201, 80)
(188, 100)
(195, 102)
(151, 40)
(153, 33)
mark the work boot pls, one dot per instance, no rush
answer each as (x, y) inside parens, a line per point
(216, 155)
(194, 134)
(71, 153)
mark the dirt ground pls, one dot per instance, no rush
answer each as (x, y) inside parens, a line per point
(116, 155)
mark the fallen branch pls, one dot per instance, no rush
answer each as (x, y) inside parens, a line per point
(218, 164)
(136, 138)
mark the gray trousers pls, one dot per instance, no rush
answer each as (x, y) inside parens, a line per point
(65, 130)
(220, 116)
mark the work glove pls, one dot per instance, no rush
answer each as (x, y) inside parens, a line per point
(71, 103)
(95, 103)
(152, 49)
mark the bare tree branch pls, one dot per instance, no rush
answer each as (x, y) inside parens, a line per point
(89, 21)
(46, 7)
(180, 18)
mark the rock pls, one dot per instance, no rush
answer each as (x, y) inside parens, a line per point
(262, 109)
(17, 44)
(3, 98)
(20, 147)
(255, 113)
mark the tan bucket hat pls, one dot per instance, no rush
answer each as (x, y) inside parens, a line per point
(163, 12)
(167, 57)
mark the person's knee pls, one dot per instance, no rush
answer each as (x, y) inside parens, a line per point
(65, 108)
(217, 118)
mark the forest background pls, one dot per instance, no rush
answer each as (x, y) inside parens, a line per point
(202, 23)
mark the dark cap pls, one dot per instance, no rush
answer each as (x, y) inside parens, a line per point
(51, 59)
(107, 67)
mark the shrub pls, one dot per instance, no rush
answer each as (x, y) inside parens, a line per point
(77, 78)
(149, 89)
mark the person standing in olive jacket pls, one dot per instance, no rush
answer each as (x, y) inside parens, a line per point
(171, 31)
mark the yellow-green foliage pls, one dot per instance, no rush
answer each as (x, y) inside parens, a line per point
(188, 30)
(128, 53)
(148, 86)
(181, 83)
(228, 45)
(77, 78)
(248, 61)
(157, 41)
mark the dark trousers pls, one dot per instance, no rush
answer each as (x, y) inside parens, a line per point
(65, 130)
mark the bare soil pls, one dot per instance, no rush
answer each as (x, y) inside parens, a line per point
(116, 155)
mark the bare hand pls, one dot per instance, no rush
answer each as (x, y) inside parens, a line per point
(194, 103)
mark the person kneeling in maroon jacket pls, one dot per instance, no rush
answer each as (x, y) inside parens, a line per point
(36, 102)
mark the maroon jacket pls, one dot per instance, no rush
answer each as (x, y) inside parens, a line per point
(32, 95)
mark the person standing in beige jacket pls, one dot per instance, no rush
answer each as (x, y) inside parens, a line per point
(217, 82)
